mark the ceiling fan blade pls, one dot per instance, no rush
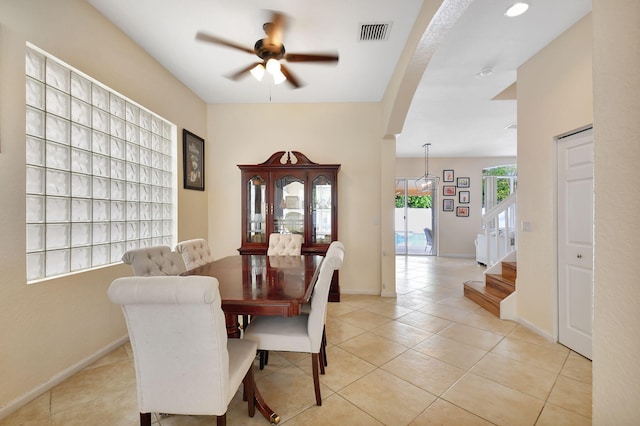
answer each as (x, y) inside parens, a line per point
(275, 29)
(237, 75)
(292, 79)
(308, 57)
(217, 40)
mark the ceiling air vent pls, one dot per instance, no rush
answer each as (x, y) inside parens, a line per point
(374, 31)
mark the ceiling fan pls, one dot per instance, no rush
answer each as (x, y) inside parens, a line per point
(271, 52)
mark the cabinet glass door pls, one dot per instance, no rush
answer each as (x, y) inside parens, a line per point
(321, 212)
(256, 210)
(288, 209)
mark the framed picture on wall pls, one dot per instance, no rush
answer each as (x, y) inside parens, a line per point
(193, 160)
(462, 211)
(463, 197)
(449, 191)
(463, 182)
(447, 175)
(447, 204)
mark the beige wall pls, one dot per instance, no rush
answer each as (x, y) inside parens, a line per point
(555, 96)
(456, 235)
(616, 59)
(588, 75)
(50, 328)
(346, 134)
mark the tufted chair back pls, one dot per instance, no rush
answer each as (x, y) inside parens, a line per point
(285, 245)
(154, 261)
(195, 252)
(183, 361)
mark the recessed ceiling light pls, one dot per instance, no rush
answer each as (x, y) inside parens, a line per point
(484, 72)
(517, 9)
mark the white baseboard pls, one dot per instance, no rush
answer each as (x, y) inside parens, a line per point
(459, 256)
(60, 377)
(364, 292)
(389, 294)
(509, 311)
(536, 330)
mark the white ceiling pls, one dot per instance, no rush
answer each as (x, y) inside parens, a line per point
(452, 108)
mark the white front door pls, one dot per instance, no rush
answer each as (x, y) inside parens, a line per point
(575, 242)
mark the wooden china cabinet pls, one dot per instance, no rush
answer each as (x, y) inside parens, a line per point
(290, 195)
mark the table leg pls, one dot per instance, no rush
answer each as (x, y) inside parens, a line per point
(233, 332)
(233, 327)
(266, 411)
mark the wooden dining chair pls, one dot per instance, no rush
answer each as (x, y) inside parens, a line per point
(302, 333)
(183, 360)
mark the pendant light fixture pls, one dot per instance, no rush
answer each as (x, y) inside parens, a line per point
(427, 182)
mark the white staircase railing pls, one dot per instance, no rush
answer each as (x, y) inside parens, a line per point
(500, 232)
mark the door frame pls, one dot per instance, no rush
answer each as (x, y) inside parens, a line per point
(434, 219)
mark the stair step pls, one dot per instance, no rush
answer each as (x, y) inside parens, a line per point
(483, 296)
(510, 270)
(496, 287)
(500, 284)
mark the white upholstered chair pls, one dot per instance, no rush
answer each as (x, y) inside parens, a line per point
(154, 261)
(306, 308)
(279, 245)
(284, 245)
(195, 252)
(334, 247)
(183, 360)
(302, 333)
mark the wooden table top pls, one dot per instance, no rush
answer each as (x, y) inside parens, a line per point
(262, 285)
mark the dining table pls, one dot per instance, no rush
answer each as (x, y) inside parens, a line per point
(252, 284)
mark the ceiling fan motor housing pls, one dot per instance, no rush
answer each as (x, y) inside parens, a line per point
(268, 51)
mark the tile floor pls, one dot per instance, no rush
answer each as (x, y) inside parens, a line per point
(427, 357)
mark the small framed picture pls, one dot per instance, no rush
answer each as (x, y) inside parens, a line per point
(193, 160)
(447, 204)
(462, 211)
(449, 190)
(463, 182)
(463, 197)
(447, 175)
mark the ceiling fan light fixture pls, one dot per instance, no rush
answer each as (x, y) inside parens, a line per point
(273, 66)
(517, 9)
(257, 72)
(278, 77)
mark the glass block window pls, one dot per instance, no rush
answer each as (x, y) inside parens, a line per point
(100, 172)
